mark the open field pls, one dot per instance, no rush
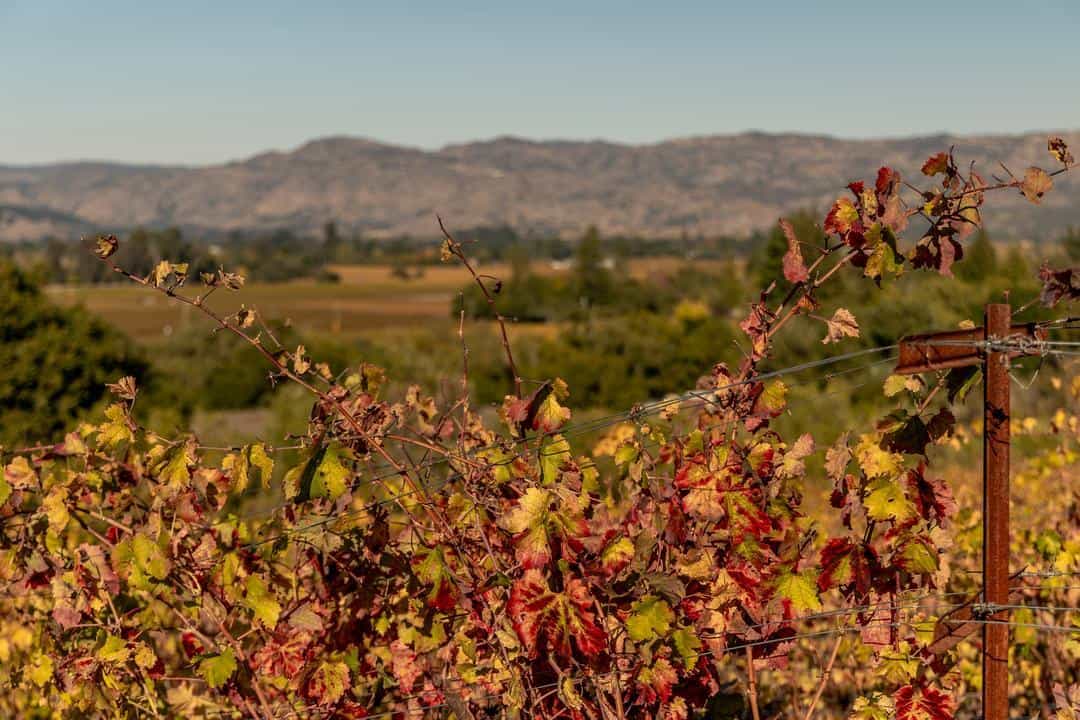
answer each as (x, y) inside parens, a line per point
(368, 298)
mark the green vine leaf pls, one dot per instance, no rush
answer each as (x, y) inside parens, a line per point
(798, 591)
(262, 602)
(650, 619)
(217, 669)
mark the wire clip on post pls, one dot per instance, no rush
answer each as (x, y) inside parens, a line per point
(961, 348)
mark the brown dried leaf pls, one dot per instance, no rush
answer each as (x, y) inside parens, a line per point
(300, 363)
(1036, 184)
(105, 246)
(842, 324)
(1059, 150)
(245, 318)
(125, 388)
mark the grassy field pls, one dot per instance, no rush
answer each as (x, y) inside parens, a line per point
(370, 299)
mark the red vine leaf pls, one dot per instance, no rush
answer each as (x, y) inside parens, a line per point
(916, 702)
(656, 681)
(541, 517)
(794, 267)
(842, 218)
(933, 498)
(555, 621)
(936, 164)
(616, 557)
(328, 683)
(431, 568)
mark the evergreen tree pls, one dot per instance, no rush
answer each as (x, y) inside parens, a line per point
(54, 362)
(592, 281)
(980, 259)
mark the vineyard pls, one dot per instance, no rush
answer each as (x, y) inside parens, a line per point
(429, 557)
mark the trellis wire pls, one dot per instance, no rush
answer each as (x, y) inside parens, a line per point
(711, 653)
(621, 417)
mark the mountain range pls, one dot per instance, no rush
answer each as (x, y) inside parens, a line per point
(713, 185)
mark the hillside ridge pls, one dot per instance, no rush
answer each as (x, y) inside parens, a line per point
(711, 185)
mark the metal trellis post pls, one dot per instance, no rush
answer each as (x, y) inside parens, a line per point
(996, 406)
(991, 346)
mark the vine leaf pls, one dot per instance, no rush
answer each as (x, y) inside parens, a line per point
(331, 477)
(261, 601)
(936, 164)
(1036, 183)
(616, 556)
(794, 462)
(541, 411)
(321, 476)
(114, 650)
(885, 500)
(656, 682)
(875, 461)
(1059, 150)
(105, 246)
(841, 325)
(553, 454)
(687, 645)
(837, 458)
(798, 591)
(916, 702)
(558, 621)
(848, 566)
(650, 619)
(528, 522)
(432, 569)
(842, 217)
(882, 261)
(149, 557)
(960, 381)
(549, 414)
(240, 464)
(769, 403)
(117, 429)
(535, 524)
(916, 555)
(217, 669)
(933, 498)
(894, 384)
(328, 683)
(794, 267)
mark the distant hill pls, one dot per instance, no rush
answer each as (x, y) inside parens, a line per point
(731, 184)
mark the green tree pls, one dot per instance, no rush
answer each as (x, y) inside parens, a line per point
(332, 241)
(593, 283)
(54, 362)
(980, 259)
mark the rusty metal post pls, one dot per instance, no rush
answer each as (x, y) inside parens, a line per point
(961, 348)
(995, 671)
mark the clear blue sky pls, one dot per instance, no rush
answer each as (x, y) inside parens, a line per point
(199, 82)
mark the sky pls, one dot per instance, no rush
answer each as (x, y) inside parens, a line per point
(207, 82)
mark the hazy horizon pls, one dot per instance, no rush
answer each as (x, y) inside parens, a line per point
(150, 162)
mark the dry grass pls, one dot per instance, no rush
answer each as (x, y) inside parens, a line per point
(369, 298)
